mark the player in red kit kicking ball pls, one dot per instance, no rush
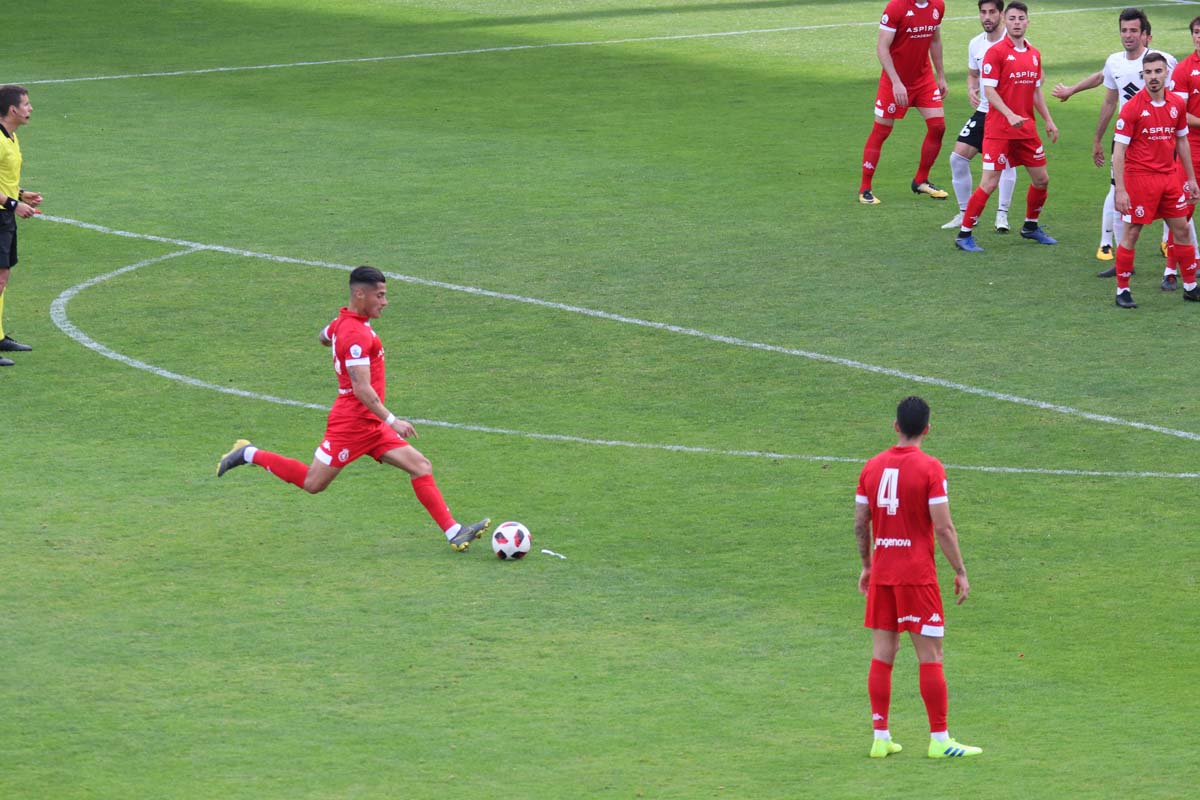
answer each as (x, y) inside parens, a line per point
(1151, 151)
(359, 423)
(902, 505)
(909, 35)
(1012, 80)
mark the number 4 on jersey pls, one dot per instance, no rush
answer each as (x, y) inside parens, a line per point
(888, 495)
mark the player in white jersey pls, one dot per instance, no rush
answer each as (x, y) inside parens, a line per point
(1122, 79)
(970, 138)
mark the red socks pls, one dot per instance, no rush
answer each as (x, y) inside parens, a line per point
(975, 207)
(1185, 259)
(282, 467)
(431, 497)
(879, 134)
(1124, 267)
(879, 688)
(935, 129)
(1035, 200)
(935, 694)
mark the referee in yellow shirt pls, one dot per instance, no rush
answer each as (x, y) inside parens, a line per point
(14, 201)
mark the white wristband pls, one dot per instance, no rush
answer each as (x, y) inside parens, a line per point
(390, 419)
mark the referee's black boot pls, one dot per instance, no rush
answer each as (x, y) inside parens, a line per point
(11, 345)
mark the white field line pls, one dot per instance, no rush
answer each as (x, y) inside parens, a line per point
(545, 46)
(58, 313)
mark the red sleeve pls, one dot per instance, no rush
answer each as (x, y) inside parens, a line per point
(862, 486)
(990, 69)
(938, 486)
(1179, 77)
(353, 346)
(1124, 129)
(892, 15)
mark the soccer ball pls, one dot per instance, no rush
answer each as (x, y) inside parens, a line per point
(511, 541)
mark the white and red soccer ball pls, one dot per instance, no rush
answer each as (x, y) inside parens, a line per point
(511, 541)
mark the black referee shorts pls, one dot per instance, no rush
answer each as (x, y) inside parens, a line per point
(8, 239)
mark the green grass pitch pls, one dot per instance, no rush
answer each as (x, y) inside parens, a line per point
(687, 171)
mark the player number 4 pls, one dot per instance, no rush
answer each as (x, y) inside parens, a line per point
(888, 496)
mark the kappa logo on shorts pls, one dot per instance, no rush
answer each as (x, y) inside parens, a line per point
(325, 445)
(344, 454)
(936, 618)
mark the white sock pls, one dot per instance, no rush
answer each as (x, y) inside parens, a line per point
(452, 531)
(1106, 221)
(249, 454)
(1008, 182)
(1188, 288)
(941, 736)
(960, 178)
(884, 734)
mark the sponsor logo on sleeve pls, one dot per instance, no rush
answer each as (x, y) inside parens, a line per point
(355, 351)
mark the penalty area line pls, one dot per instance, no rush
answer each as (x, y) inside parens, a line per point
(58, 314)
(734, 341)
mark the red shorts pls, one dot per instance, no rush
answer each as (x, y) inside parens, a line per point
(999, 154)
(1156, 196)
(906, 608)
(346, 442)
(923, 95)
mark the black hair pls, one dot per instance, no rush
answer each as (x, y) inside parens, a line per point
(1130, 14)
(912, 415)
(10, 95)
(999, 4)
(1153, 55)
(366, 276)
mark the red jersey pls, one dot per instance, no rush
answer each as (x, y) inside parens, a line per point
(899, 485)
(1015, 75)
(915, 24)
(354, 344)
(1149, 130)
(1186, 78)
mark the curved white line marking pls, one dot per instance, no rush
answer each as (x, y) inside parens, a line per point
(58, 313)
(661, 326)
